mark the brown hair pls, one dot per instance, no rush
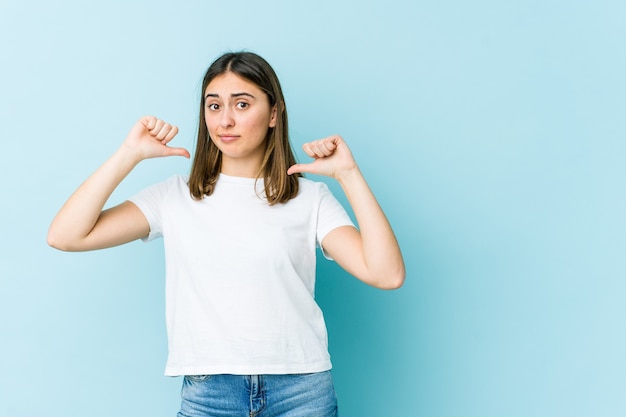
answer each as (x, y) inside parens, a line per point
(207, 162)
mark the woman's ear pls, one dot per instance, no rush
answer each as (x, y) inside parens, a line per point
(274, 118)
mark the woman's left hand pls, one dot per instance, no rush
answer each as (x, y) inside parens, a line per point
(332, 158)
(371, 252)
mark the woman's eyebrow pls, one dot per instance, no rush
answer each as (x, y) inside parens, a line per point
(242, 94)
(232, 95)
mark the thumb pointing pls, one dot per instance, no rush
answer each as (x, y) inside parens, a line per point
(297, 168)
(179, 152)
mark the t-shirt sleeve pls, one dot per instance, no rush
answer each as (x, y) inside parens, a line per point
(149, 201)
(331, 215)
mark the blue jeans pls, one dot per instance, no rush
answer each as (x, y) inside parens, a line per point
(301, 395)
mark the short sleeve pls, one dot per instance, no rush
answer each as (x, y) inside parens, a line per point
(331, 215)
(150, 201)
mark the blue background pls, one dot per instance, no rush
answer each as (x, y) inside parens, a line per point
(492, 133)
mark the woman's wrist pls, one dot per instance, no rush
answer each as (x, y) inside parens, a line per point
(346, 176)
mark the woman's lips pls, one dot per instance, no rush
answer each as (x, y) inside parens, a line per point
(228, 138)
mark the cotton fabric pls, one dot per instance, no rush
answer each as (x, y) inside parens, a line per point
(240, 276)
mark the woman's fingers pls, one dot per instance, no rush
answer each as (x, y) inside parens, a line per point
(152, 135)
(321, 148)
(149, 122)
(162, 130)
(159, 129)
(158, 126)
(169, 134)
(332, 158)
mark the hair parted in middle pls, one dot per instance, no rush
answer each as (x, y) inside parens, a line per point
(278, 157)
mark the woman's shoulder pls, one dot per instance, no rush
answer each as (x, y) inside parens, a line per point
(309, 183)
(170, 184)
(311, 187)
(175, 180)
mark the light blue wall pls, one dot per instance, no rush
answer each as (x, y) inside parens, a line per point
(491, 131)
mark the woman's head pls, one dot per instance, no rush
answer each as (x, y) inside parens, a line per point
(277, 155)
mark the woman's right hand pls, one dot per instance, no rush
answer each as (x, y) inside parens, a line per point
(149, 137)
(81, 224)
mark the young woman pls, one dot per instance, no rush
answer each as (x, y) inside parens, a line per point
(240, 235)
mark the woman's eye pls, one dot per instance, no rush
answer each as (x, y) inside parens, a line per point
(214, 106)
(242, 105)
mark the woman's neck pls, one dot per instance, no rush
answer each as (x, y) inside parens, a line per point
(240, 168)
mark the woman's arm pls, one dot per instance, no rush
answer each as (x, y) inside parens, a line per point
(371, 253)
(81, 224)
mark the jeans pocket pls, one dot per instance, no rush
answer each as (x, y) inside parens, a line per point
(197, 378)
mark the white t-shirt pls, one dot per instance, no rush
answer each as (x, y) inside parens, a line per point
(240, 276)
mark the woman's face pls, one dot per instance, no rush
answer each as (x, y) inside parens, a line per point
(238, 116)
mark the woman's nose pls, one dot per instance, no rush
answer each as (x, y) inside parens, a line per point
(226, 118)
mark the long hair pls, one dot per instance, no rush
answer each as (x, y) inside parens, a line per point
(278, 157)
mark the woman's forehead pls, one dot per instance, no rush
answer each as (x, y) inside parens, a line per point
(231, 83)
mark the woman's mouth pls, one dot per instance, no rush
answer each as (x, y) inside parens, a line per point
(228, 138)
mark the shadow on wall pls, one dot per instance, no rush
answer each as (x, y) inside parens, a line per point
(367, 338)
